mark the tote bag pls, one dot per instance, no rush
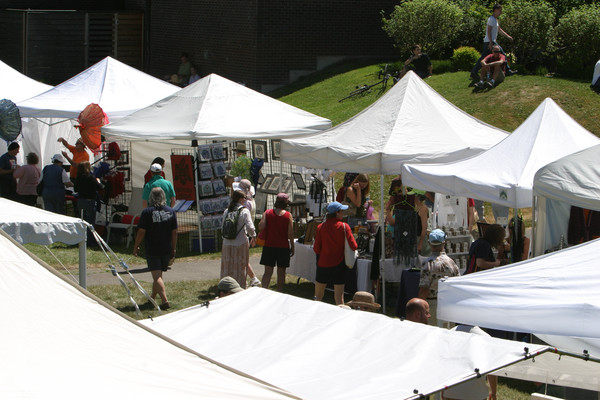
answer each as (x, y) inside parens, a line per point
(350, 255)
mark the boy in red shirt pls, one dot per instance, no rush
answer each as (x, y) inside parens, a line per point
(495, 64)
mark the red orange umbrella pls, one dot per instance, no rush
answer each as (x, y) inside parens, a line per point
(91, 119)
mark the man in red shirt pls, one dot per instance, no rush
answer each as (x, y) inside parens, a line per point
(495, 65)
(329, 245)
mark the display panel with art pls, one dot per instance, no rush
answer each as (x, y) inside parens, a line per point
(206, 188)
(219, 186)
(274, 185)
(259, 150)
(217, 151)
(265, 185)
(287, 184)
(276, 149)
(219, 169)
(206, 171)
(299, 181)
(205, 153)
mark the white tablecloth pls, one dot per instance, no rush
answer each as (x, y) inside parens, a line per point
(304, 265)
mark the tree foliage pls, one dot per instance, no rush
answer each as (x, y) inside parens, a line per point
(431, 23)
(577, 40)
(530, 24)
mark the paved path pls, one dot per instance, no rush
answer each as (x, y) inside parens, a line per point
(180, 271)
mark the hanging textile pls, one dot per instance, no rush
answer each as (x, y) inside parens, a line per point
(405, 237)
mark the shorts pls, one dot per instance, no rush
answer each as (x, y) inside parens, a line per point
(334, 275)
(158, 263)
(275, 257)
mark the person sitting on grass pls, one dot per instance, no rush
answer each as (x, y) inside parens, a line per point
(495, 65)
(421, 63)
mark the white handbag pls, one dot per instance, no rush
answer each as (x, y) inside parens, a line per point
(350, 255)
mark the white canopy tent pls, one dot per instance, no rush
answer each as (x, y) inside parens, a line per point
(504, 173)
(28, 224)
(410, 123)
(17, 87)
(318, 351)
(573, 180)
(553, 296)
(118, 88)
(62, 342)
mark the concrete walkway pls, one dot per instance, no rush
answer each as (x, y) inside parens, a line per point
(180, 271)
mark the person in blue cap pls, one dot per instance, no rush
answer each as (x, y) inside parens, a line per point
(437, 266)
(329, 246)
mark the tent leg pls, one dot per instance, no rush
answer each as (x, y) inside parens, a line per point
(195, 169)
(82, 265)
(382, 232)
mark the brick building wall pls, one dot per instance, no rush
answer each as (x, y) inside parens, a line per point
(262, 43)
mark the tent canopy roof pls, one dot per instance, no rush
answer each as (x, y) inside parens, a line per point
(17, 87)
(33, 225)
(66, 344)
(318, 351)
(551, 294)
(216, 108)
(574, 179)
(504, 174)
(410, 123)
(118, 88)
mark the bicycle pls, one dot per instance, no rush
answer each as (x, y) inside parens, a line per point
(360, 90)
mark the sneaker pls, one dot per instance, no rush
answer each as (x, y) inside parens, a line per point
(489, 85)
(474, 76)
(511, 72)
(254, 282)
(479, 85)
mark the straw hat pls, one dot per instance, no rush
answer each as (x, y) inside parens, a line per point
(364, 301)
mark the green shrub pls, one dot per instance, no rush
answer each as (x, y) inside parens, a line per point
(577, 41)
(431, 23)
(474, 20)
(464, 58)
(530, 25)
(442, 66)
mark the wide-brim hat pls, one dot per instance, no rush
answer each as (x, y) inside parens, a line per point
(364, 300)
(240, 147)
(228, 284)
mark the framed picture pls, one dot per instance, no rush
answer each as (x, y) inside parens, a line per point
(206, 206)
(265, 185)
(299, 181)
(261, 178)
(206, 171)
(206, 188)
(124, 160)
(126, 172)
(299, 198)
(287, 184)
(261, 202)
(259, 150)
(216, 205)
(274, 185)
(276, 149)
(219, 187)
(219, 168)
(217, 151)
(205, 153)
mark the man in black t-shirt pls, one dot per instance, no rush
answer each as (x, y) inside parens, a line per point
(158, 226)
(421, 64)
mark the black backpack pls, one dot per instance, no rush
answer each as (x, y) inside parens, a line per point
(229, 229)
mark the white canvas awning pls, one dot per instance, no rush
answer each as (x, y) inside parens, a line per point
(410, 123)
(504, 174)
(320, 351)
(573, 180)
(118, 88)
(216, 108)
(61, 342)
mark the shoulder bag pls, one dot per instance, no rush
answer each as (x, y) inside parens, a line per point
(350, 255)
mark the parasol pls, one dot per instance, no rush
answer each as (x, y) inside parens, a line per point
(91, 119)
(10, 120)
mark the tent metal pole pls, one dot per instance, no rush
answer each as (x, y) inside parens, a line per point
(382, 232)
(83, 264)
(533, 224)
(195, 169)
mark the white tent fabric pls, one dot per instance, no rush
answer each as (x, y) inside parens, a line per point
(573, 180)
(17, 87)
(320, 351)
(410, 123)
(553, 294)
(33, 225)
(504, 174)
(60, 342)
(118, 88)
(216, 108)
